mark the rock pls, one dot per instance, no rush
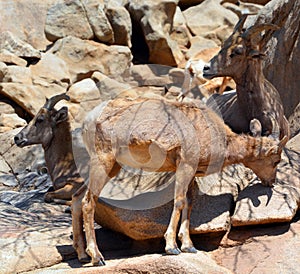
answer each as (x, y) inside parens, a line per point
(18, 47)
(22, 94)
(98, 21)
(294, 143)
(27, 22)
(6, 108)
(257, 204)
(120, 21)
(24, 229)
(20, 159)
(85, 57)
(216, 22)
(85, 90)
(140, 205)
(67, 19)
(157, 263)
(155, 19)
(11, 120)
(282, 50)
(199, 44)
(11, 59)
(108, 88)
(180, 32)
(3, 66)
(150, 75)
(294, 121)
(58, 74)
(268, 249)
(17, 74)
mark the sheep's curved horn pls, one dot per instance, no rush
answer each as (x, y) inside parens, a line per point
(239, 25)
(254, 30)
(50, 103)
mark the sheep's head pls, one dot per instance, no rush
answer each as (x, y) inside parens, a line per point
(241, 47)
(265, 163)
(266, 153)
(41, 127)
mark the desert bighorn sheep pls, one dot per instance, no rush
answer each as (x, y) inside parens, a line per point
(160, 135)
(255, 97)
(51, 128)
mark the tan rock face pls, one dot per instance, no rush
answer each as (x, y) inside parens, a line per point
(209, 26)
(13, 44)
(155, 19)
(26, 20)
(84, 57)
(67, 18)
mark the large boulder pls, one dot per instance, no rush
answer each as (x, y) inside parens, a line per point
(155, 19)
(13, 44)
(120, 21)
(99, 22)
(257, 204)
(84, 57)
(215, 22)
(67, 18)
(26, 20)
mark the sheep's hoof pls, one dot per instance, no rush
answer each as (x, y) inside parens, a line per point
(84, 260)
(173, 251)
(99, 262)
(189, 249)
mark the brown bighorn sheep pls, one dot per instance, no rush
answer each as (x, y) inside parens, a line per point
(160, 135)
(241, 59)
(51, 128)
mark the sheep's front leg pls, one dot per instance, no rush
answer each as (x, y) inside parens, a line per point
(102, 167)
(184, 175)
(184, 231)
(77, 225)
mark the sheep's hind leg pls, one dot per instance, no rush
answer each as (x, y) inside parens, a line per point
(184, 231)
(77, 225)
(184, 175)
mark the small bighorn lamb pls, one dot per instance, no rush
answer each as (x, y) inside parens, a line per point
(160, 135)
(51, 129)
(255, 97)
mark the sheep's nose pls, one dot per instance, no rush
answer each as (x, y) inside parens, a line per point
(206, 67)
(17, 138)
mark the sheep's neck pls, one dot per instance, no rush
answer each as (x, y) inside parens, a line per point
(241, 148)
(59, 155)
(251, 89)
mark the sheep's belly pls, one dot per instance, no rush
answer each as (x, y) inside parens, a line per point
(149, 157)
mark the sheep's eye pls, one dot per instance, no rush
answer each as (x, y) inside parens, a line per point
(40, 119)
(237, 51)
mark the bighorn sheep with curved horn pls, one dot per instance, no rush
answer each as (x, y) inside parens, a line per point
(160, 135)
(255, 97)
(51, 129)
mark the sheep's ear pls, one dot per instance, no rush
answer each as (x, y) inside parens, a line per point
(255, 128)
(61, 115)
